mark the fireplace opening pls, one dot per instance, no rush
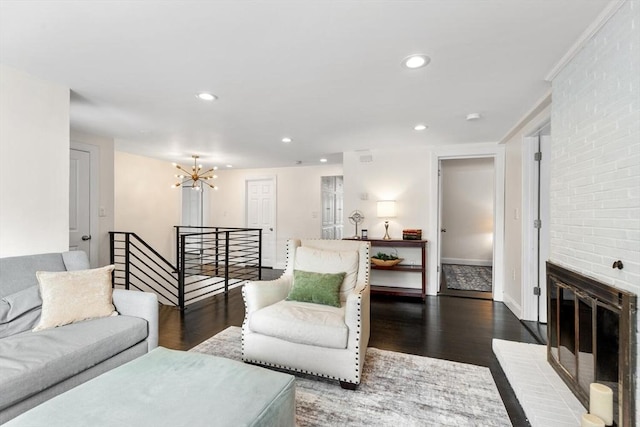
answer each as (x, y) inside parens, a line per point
(591, 338)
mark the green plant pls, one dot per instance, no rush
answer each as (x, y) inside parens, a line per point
(385, 257)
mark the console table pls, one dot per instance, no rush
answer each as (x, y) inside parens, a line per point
(420, 268)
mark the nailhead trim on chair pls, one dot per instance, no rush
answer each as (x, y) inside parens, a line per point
(357, 359)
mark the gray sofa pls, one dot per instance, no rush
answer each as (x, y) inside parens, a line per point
(36, 366)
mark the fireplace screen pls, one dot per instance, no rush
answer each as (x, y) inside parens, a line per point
(590, 336)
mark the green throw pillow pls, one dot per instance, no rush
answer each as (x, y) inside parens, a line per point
(319, 288)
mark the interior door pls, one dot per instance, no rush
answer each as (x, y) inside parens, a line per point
(440, 225)
(544, 189)
(332, 207)
(80, 201)
(261, 213)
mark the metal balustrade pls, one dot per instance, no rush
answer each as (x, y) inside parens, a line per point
(211, 260)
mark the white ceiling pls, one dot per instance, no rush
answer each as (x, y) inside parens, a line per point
(326, 73)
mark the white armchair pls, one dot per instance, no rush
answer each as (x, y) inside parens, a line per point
(306, 337)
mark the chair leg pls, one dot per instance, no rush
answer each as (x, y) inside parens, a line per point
(348, 386)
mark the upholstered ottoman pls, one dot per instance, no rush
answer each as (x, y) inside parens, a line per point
(173, 388)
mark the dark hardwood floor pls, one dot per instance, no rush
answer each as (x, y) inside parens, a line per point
(444, 327)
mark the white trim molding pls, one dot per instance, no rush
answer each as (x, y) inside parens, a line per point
(584, 38)
(538, 107)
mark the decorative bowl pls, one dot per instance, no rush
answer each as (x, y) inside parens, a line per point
(388, 263)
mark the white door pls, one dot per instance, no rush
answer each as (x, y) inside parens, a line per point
(440, 227)
(195, 207)
(544, 189)
(536, 176)
(261, 213)
(80, 201)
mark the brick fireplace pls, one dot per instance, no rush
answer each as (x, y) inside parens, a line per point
(592, 338)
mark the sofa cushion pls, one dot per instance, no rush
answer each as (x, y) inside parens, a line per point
(20, 312)
(303, 323)
(33, 361)
(18, 273)
(323, 261)
(73, 296)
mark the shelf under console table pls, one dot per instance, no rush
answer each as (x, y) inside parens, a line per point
(417, 268)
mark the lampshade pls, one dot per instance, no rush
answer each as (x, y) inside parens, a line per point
(386, 208)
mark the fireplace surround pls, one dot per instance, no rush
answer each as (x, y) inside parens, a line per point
(592, 338)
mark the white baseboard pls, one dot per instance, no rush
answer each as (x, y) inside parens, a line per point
(460, 261)
(513, 305)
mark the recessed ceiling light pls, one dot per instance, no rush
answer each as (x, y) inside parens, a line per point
(205, 96)
(286, 139)
(420, 127)
(473, 116)
(323, 160)
(229, 166)
(416, 61)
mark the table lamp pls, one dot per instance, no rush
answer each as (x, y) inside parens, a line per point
(386, 209)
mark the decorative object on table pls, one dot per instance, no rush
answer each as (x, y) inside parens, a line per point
(194, 177)
(385, 260)
(601, 402)
(386, 209)
(412, 234)
(365, 234)
(356, 218)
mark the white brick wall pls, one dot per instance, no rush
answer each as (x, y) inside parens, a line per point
(595, 160)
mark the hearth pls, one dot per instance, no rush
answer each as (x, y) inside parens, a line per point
(592, 338)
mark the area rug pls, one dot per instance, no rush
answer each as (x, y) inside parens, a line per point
(396, 390)
(467, 277)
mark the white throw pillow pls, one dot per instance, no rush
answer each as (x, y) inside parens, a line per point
(72, 296)
(323, 261)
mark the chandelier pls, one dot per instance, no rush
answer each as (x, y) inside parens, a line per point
(195, 177)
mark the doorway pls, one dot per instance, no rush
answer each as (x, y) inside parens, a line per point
(467, 204)
(332, 207)
(195, 207)
(261, 213)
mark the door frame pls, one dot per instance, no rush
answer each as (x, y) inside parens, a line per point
(274, 210)
(529, 303)
(469, 151)
(94, 198)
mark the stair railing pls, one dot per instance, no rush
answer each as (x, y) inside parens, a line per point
(141, 267)
(211, 260)
(214, 259)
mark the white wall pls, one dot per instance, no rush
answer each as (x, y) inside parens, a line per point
(595, 165)
(144, 201)
(467, 211)
(105, 199)
(396, 174)
(34, 165)
(298, 201)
